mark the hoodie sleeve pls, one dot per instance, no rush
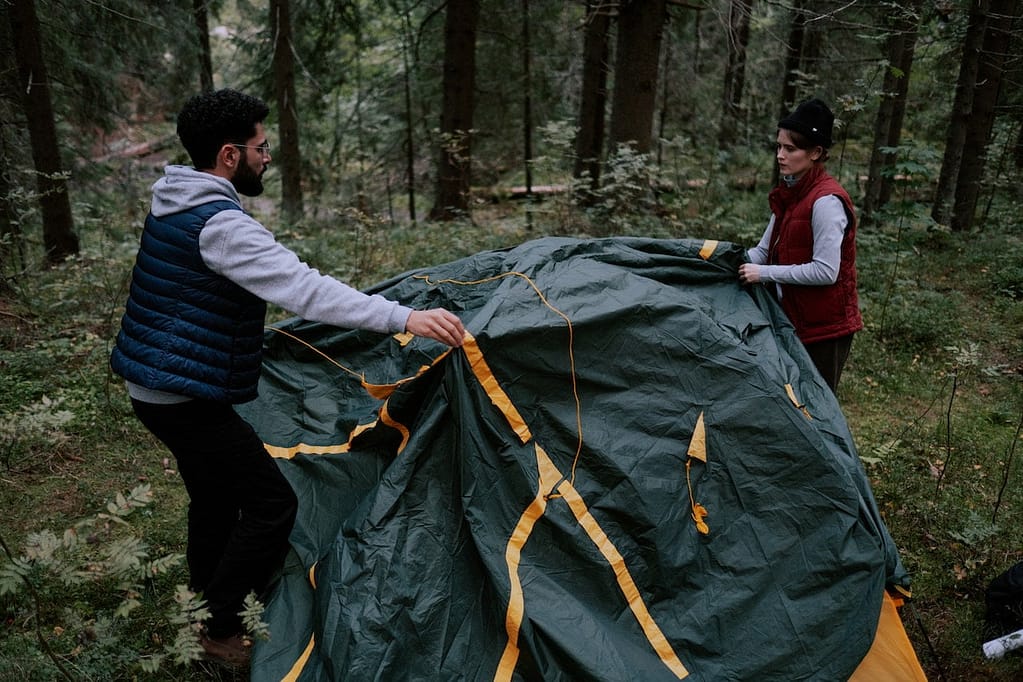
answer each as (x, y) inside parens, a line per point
(237, 247)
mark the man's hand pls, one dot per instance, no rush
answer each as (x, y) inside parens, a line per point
(437, 324)
(749, 273)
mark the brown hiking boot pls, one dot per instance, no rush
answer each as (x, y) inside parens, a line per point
(233, 651)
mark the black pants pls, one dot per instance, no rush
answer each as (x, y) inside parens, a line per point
(829, 358)
(241, 507)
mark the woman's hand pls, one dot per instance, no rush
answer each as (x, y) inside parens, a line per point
(438, 324)
(749, 273)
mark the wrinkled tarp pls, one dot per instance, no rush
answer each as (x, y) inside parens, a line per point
(527, 507)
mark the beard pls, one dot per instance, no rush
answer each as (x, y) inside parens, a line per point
(247, 181)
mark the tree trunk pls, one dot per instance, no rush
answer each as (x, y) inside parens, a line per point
(900, 48)
(200, 10)
(527, 111)
(662, 116)
(814, 29)
(10, 235)
(1017, 149)
(11, 244)
(640, 26)
(739, 13)
(59, 238)
(997, 35)
(1018, 146)
(589, 140)
(460, 24)
(793, 54)
(410, 142)
(287, 111)
(900, 101)
(527, 102)
(959, 119)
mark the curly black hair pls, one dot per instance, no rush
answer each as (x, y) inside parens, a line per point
(212, 119)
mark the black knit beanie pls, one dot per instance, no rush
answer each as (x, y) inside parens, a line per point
(813, 120)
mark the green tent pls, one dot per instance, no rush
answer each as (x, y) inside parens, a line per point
(631, 471)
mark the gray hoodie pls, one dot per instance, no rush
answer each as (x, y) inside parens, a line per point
(235, 246)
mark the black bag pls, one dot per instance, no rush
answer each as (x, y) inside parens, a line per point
(1004, 601)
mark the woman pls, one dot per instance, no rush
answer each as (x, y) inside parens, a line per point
(809, 248)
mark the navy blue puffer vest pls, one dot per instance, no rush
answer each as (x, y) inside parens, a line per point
(187, 330)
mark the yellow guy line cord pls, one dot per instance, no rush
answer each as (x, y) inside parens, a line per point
(360, 377)
(697, 450)
(380, 391)
(571, 345)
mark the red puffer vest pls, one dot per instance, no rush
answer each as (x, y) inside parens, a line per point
(818, 313)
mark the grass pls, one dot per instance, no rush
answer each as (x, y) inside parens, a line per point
(933, 393)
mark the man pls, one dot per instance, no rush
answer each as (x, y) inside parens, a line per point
(190, 347)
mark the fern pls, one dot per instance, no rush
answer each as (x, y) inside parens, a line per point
(977, 532)
(190, 607)
(252, 617)
(14, 575)
(101, 549)
(162, 565)
(151, 664)
(42, 547)
(126, 556)
(190, 613)
(127, 605)
(122, 506)
(882, 452)
(185, 648)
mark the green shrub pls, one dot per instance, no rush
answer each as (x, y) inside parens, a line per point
(919, 320)
(83, 591)
(1007, 278)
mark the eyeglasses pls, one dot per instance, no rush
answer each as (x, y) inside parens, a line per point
(263, 149)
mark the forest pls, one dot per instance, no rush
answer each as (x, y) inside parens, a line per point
(411, 132)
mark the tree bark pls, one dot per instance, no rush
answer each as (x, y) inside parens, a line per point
(793, 54)
(200, 10)
(739, 14)
(1017, 149)
(410, 142)
(990, 69)
(640, 27)
(459, 83)
(10, 235)
(900, 48)
(287, 111)
(589, 141)
(527, 101)
(959, 119)
(59, 238)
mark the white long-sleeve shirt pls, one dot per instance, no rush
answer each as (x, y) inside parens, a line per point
(829, 222)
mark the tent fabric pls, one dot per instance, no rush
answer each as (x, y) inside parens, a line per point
(631, 471)
(891, 656)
